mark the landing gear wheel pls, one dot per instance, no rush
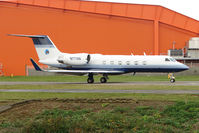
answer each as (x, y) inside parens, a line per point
(172, 80)
(103, 80)
(171, 77)
(90, 80)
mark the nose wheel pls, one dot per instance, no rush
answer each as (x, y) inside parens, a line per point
(171, 77)
(172, 80)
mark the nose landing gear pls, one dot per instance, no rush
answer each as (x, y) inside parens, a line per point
(171, 77)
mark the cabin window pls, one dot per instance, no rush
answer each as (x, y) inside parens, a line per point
(144, 62)
(119, 62)
(166, 59)
(104, 62)
(136, 62)
(128, 63)
(112, 62)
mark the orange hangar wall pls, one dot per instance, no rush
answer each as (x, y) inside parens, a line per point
(90, 27)
(172, 37)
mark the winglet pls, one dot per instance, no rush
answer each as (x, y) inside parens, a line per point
(35, 65)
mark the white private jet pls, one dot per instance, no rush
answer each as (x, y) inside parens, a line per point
(92, 64)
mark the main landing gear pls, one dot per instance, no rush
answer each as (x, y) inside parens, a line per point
(171, 77)
(103, 79)
(90, 78)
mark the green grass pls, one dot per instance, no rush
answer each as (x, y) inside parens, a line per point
(120, 78)
(101, 86)
(5, 96)
(180, 117)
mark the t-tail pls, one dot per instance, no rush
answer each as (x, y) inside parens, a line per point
(44, 46)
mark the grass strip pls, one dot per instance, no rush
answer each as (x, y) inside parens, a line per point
(6, 96)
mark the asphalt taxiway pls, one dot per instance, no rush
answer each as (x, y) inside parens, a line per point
(68, 90)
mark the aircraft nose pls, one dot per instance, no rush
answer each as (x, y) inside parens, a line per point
(184, 67)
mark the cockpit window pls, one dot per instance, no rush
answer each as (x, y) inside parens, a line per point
(167, 59)
(172, 59)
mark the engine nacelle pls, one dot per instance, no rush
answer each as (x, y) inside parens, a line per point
(74, 59)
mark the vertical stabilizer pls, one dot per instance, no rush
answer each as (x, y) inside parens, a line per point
(44, 46)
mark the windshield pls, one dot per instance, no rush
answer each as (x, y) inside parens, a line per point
(172, 59)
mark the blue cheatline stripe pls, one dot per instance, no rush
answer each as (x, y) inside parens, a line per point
(127, 70)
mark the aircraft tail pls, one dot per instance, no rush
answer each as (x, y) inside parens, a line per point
(44, 46)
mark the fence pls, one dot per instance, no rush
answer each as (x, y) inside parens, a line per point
(30, 71)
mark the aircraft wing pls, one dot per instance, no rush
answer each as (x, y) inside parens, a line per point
(76, 71)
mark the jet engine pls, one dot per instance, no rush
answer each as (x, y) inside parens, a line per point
(74, 59)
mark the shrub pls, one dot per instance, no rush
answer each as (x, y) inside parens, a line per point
(174, 118)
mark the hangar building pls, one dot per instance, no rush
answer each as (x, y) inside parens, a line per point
(90, 27)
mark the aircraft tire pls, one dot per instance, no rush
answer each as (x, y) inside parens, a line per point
(90, 80)
(103, 80)
(172, 80)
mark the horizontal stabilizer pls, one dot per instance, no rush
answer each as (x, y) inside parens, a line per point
(37, 39)
(35, 65)
(31, 36)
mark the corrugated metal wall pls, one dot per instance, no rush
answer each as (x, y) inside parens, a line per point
(83, 30)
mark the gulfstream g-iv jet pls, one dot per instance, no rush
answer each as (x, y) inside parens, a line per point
(92, 64)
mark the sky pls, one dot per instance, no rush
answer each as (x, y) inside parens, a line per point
(187, 7)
